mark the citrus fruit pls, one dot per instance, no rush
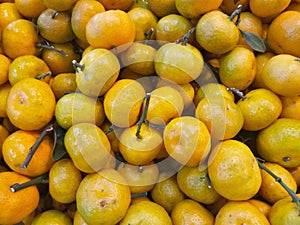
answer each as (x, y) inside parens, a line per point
(162, 9)
(261, 205)
(62, 84)
(78, 220)
(16, 148)
(64, 180)
(4, 68)
(228, 6)
(30, 9)
(187, 140)
(58, 5)
(87, 146)
(277, 143)
(8, 14)
(16, 206)
(52, 216)
(3, 135)
(290, 107)
(4, 90)
(103, 197)
(230, 164)
(30, 104)
(123, 5)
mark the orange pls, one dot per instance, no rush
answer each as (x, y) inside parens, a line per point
(16, 206)
(261, 60)
(162, 8)
(195, 8)
(59, 63)
(87, 146)
(62, 84)
(229, 6)
(140, 150)
(283, 36)
(4, 68)
(166, 192)
(222, 116)
(268, 9)
(277, 142)
(270, 190)
(284, 212)
(52, 216)
(194, 183)
(272, 75)
(261, 205)
(216, 33)
(178, 63)
(238, 68)
(81, 14)
(30, 9)
(88, 79)
(103, 198)
(295, 171)
(294, 5)
(230, 164)
(191, 212)
(122, 102)
(117, 4)
(260, 108)
(4, 90)
(145, 20)
(147, 213)
(165, 104)
(64, 180)
(77, 108)
(28, 66)
(240, 212)
(30, 104)
(16, 148)
(60, 6)
(8, 125)
(172, 27)
(290, 107)
(110, 29)
(19, 38)
(187, 140)
(52, 22)
(78, 220)
(3, 135)
(139, 58)
(139, 178)
(8, 13)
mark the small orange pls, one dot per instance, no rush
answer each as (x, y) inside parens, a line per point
(28, 66)
(8, 14)
(238, 68)
(229, 6)
(19, 38)
(162, 8)
(4, 90)
(191, 212)
(144, 20)
(30, 9)
(295, 171)
(187, 140)
(283, 36)
(123, 101)
(82, 11)
(52, 216)
(279, 64)
(230, 164)
(62, 84)
(64, 180)
(16, 148)
(123, 5)
(261, 205)
(16, 206)
(78, 220)
(194, 183)
(103, 198)
(4, 68)
(60, 6)
(166, 192)
(290, 107)
(30, 104)
(240, 212)
(110, 29)
(3, 135)
(143, 149)
(8, 125)
(270, 189)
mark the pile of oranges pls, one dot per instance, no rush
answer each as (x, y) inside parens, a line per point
(149, 112)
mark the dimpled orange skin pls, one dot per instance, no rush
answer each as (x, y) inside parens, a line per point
(16, 206)
(30, 104)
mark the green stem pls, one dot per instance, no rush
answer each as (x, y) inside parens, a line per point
(137, 195)
(38, 180)
(148, 34)
(293, 195)
(50, 47)
(184, 39)
(236, 12)
(237, 92)
(156, 126)
(35, 146)
(43, 76)
(77, 66)
(78, 49)
(143, 116)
